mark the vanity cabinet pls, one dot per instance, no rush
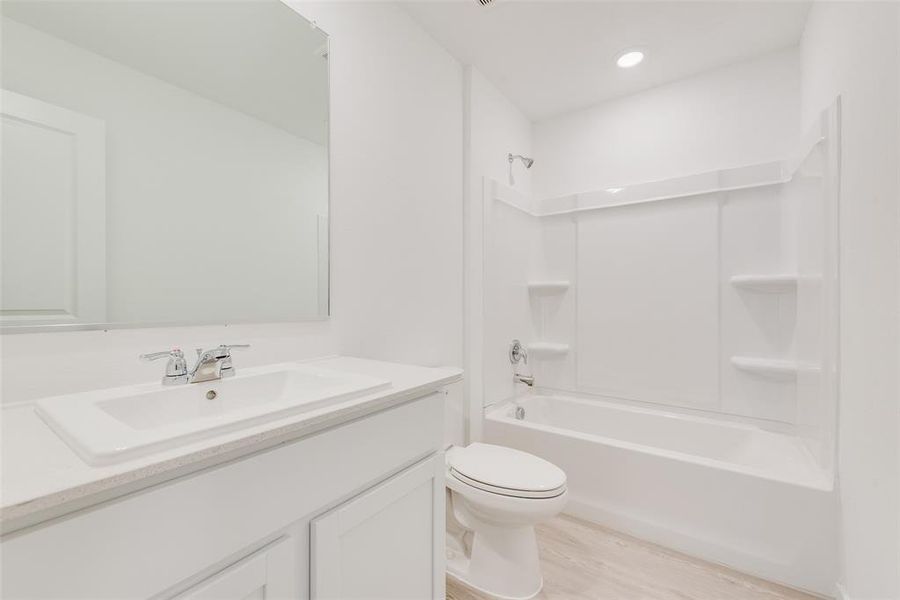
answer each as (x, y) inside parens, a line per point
(355, 511)
(384, 543)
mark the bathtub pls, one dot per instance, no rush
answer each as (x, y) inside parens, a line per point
(727, 492)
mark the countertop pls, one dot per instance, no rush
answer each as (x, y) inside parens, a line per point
(42, 478)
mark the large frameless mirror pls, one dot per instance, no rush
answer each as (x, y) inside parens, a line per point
(162, 163)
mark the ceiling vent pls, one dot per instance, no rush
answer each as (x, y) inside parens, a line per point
(485, 2)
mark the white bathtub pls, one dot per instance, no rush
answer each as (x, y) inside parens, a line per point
(727, 492)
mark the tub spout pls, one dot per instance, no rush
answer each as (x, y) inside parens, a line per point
(526, 379)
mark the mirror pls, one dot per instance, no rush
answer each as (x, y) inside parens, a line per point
(162, 163)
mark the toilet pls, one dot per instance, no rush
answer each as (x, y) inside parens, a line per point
(495, 497)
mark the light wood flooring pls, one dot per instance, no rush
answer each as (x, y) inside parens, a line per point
(583, 561)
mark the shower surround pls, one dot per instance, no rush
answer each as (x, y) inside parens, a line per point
(710, 298)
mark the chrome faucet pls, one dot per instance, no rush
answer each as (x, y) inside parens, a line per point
(211, 364)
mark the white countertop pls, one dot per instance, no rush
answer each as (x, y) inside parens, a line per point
(43, 478)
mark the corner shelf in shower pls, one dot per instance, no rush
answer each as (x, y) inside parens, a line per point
(547, 349)
(772, 368)
(547, 288)
(770, 284)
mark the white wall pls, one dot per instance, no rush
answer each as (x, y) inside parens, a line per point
(497, 128)
(494, 127)
(851, 49)
(740, 114)
(186, 175)
(397, 187)
(396, 173)
(396, 147)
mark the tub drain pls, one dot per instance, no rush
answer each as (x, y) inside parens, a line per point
(520, 413)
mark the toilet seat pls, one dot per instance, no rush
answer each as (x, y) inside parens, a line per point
(506, 472)
(501, 491)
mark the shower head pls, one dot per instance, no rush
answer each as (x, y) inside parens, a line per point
(525, 160)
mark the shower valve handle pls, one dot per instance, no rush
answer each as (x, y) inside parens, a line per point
(517, 353)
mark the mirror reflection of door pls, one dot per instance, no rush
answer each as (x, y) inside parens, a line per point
(172, 166)
(53, 213)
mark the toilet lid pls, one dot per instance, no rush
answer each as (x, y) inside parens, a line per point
(502, 470)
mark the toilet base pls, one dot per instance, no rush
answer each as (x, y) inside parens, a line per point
(470, 585)
(502, 562)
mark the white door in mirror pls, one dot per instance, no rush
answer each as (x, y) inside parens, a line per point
(118, 424)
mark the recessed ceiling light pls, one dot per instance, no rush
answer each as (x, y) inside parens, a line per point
(630, 58)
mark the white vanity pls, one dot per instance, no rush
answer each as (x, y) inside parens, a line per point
(345, 500)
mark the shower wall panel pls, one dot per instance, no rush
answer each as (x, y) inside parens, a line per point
(512, 245)
(647, 293)
(755, 242)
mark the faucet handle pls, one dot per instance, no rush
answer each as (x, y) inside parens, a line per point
(176, 368)
(517, 352)
(224, 350)
(173, 353)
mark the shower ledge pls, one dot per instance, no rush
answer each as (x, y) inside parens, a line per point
(547, 349)
(548, 287)
(777, 283)
(772, 368)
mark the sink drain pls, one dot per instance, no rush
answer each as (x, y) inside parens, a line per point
(211, 395)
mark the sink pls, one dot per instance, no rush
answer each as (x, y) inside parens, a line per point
(118, 424)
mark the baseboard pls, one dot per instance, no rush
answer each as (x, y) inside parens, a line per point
(755, 564)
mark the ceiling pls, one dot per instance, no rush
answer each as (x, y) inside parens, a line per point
(552, 57)
(260, 58)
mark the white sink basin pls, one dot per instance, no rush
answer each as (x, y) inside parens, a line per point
(117, 424)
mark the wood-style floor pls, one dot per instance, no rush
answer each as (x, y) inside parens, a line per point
(583, 561)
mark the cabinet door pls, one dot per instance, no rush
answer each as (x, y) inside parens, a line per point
(268, 574)
(387, 542)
